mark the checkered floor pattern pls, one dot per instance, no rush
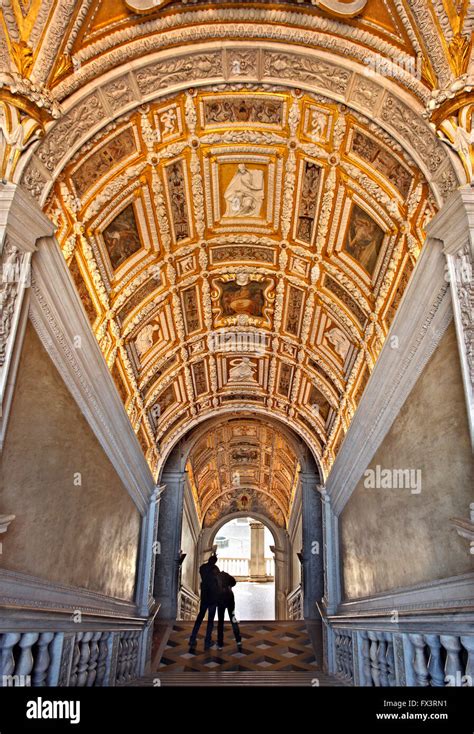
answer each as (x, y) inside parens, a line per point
(266, 646)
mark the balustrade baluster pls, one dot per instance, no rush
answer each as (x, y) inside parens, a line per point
(390, 658)
(382, 659)
(75, 660)
(453, 672)
(468, 644)
(365, 652)
(25, 662)
(435, 665)
(7, 659)
(94, 655)
(373, 654)
(84, 659)
(43, 659)
(102, 659)
(419, 663)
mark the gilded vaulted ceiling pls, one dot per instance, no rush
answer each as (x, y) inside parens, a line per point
(243, 466)
(241, 248)
(240, 189)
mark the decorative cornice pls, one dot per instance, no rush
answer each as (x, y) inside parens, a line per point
(250, 24)
(451, 594)
(22, 592)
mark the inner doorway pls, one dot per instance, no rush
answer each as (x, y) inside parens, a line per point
(244, 551)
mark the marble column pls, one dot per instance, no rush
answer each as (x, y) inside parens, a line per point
(332, 590)
(257, 552)
(148, 553)
(282, 569)
(22, 224)
(312, 545)
(454, 226)
(169, 544)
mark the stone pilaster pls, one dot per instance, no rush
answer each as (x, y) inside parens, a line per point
(332, 592)
(149, 548)
(169, 544)
(313, 585)
(257, 552)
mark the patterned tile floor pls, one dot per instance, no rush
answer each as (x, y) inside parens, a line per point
(267, 646)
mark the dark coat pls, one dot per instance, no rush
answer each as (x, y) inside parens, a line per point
(225, 596)
(209, 585)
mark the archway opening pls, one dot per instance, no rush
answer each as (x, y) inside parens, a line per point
(244, 548)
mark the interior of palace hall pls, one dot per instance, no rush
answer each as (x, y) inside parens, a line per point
(236, 321)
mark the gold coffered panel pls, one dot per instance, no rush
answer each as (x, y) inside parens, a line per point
(245, 465)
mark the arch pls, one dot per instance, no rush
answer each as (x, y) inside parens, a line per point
(282, 553)
(201, 425)
(275, 531)
(173, 476)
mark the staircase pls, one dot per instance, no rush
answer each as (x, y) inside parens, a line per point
(273, 654)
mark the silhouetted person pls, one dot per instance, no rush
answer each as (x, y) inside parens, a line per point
(226, 600)
(209, 590)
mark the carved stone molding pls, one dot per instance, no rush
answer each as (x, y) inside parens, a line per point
(189, 28)
(319, 72)
(23, 594)
(452, 593)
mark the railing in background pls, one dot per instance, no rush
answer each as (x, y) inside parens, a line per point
(294, 602)
(188, 604)
(270, 567)
(240, 567)
(387, 659)
(80, 659)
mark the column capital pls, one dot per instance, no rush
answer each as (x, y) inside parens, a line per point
(172, 476)
(155, 496)
(325, 497)
(21, 220)
(312, 478)
(451, 111)
(454, 223)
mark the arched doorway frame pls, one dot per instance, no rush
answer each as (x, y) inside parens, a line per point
(282, 552)
(173, 477)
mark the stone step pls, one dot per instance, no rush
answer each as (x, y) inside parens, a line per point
(274, 653)
(240, 678)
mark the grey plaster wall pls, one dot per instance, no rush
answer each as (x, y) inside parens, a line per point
(392, 537)
(84, 534)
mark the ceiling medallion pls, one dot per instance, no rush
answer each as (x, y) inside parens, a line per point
(335, 7)
(145, 6)
(345, 9)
